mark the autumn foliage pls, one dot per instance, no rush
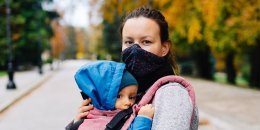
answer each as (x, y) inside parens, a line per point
(226, 29)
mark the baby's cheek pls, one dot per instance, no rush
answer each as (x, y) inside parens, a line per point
(116, 105)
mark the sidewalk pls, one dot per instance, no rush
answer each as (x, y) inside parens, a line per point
(226, 107)
(25, 81)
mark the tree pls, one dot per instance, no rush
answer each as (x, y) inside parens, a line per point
(187, 25)
(30, 30)
(57, 40)
(207, 27)
(236, 32)
(224, 26)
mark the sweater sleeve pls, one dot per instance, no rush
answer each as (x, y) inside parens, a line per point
(173, 108)
(74, 125)
(141, 123)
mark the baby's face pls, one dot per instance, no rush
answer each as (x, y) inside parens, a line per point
(126, 97)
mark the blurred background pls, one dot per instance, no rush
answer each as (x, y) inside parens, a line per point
(216, 44)
(212, 39)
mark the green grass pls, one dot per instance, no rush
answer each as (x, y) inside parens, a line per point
(2, 73)
(222, 78)
(241, 81)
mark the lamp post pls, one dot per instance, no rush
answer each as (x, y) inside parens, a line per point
(36, 8)
(10, 69)
(39, 57)
(39, 44)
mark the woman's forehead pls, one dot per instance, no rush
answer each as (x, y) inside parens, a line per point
(140, 26)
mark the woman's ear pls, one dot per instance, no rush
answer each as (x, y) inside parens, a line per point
(166, 47)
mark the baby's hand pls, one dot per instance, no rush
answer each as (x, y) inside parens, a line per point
(147, 110)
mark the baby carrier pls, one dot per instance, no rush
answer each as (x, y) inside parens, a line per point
(108, 75)
(124, 118)
(97, 119)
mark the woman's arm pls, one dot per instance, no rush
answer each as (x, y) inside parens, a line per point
(83, 112)
(74, 125)
(173, 108)
(83, 109)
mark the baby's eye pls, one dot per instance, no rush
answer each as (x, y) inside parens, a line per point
(132, 97)
(118, 96)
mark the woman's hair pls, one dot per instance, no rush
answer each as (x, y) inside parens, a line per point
(157, 16)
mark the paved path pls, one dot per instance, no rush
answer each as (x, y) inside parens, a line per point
(49, 107)
(227, 107)
(51, 101)
(25, 82)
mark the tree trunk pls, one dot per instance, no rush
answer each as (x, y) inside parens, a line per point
(204, 63)
(254, 79)
(230, 68)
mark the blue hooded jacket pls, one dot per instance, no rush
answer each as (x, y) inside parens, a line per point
(101, 82)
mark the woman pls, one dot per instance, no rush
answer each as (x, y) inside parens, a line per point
(147, 55)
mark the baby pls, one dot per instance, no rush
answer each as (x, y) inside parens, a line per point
(111, 89)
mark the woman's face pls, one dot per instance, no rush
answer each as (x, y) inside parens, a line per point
(146, 33)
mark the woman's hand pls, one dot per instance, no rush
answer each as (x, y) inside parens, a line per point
(147, 110)
(84, 109)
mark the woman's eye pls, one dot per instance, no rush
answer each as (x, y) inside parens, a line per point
(146, 42)
(118, 96)
(128, 42)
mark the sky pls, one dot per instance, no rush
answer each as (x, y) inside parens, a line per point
(76, 12)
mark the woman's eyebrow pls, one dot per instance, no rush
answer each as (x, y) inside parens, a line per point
(128, 37)
(144, 37)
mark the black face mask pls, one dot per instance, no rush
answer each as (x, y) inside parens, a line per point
(145, 66)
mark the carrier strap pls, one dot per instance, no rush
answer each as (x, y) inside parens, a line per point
(164, 80)
(118, 121)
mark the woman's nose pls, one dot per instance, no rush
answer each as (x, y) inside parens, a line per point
(136, 43)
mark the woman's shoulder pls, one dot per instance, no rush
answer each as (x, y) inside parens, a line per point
(172, 85)
(172, 101)
(175, 85)
(173, 82)
(172, 88)
(172, 79)
(177, 95)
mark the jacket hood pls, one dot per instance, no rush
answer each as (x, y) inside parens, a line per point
(101, 82)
